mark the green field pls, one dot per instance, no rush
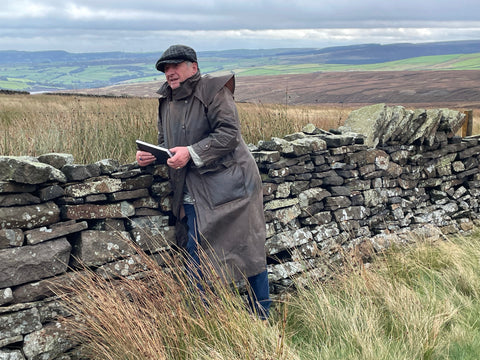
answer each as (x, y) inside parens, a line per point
(61, 76)
(439, 62)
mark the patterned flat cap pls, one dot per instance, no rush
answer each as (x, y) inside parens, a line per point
(175, 54)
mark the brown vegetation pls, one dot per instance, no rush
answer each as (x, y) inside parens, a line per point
(456, 88)
(268, 106)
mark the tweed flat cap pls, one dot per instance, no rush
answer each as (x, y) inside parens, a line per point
(175, 54)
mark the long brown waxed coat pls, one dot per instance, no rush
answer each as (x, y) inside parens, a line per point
(227, 189)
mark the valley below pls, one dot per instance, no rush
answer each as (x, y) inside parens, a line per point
(453, 89)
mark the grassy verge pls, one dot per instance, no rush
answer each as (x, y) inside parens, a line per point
(94, 128)
(416, 302)
(420, 302)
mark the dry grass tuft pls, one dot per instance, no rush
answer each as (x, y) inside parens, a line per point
(162, 316)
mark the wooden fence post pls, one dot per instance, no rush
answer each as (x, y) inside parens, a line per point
(467, 127)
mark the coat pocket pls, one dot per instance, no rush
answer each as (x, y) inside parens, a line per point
(224, 183)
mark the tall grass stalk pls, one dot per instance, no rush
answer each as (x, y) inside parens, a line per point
(164, 316)
(420, 302)
(264, 121)
(94, 128)
(89, 128)
(415, 302)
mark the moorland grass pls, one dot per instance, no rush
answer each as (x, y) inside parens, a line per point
(412, 302)
(95, 128)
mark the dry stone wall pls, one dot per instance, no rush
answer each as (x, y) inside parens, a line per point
(325, 193)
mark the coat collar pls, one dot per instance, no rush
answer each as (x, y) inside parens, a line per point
(185, 89)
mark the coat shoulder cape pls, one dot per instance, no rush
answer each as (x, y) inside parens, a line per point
(208, 86)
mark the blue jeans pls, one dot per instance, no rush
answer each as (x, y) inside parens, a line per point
(258, 297)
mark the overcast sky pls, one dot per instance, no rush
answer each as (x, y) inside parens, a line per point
(151, 26)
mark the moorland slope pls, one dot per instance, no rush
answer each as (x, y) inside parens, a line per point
(418, 88)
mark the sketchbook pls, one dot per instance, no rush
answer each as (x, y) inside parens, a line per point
(162, 154)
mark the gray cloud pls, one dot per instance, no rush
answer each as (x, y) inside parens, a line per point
(142, 25)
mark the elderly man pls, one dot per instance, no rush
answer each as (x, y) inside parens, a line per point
(217, 190)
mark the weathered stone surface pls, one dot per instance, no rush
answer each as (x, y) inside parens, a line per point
(287, 240)
(351, 213)
(48, 343)
(266, 156)
(152, 233)
(310, 129)
(76, 172)
(42, 289)
(337, 202)
(10, 238)
(21, 170)
(6, 296)
(126, 173)
(19, 323)
(274, 173)
(108, 166)
(145, 202)
(366, 121)
(97, 198)
(374, 197)
(122, 268)
(285, 215)
(307, 145)
(285, 270)
(18, 199)
(382, 124)
(8, 341)
(92, 211)
(143, 181)
(102, 185)
(128, 195)
(11, 355)
(42, 234)
(28, 217)
(309, 196)
(11, 187)
(161, 189)
(283, 190)
(57, 160)
(51, 192)
(30, 263)
(336, 141)
(274, 144)
(281, 203)
(294, 136)
(95, 248)
(52, 310)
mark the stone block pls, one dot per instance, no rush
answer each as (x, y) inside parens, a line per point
(11, 238)
(30, 216)
(25, 171)
(19, 323)
(31, 263)
(42, 234)
(102, 211)
(48, 343)
(96, 247)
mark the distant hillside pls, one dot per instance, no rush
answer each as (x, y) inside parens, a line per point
(60, 70)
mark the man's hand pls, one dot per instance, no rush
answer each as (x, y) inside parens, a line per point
(180, 158)
(145, 158)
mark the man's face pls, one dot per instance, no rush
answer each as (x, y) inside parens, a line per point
(177, 73)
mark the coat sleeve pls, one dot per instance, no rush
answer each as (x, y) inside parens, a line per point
(225, 129)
